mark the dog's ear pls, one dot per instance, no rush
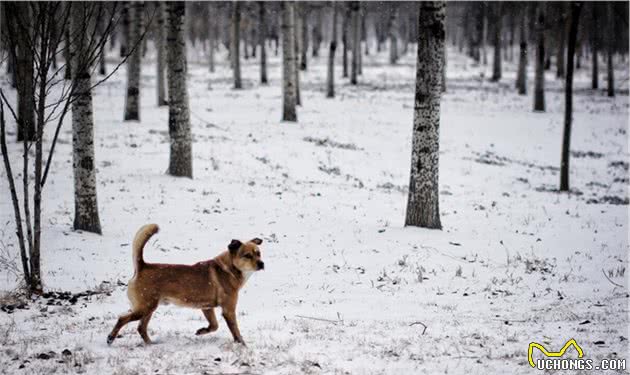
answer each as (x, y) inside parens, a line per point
(234, 246)
(256, 240)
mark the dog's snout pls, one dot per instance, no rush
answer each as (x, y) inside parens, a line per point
(260, 265)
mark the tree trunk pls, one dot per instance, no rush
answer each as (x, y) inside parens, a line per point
(594, 47)
(297, 36)
(180, 163)
(160, 42)
(512, 27)
(303, 34)
(364, 38)
(317, 32)
(356, 42)
(212, 34)
(484, 33)
(125, 19)
(423, 204)
(288, 62)
(236, 43)
(562, 28)
(521, 77)
(610, 46)
(344, 38)
(67, 74)
(132, 100)
(262, 35)
(568, 97)
(24, 71)
(102, 68)
(539, 78)
(85, 203)
(498, 20)
(330, 79)
(393, 39)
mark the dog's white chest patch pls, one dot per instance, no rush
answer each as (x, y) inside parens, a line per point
(247, 274)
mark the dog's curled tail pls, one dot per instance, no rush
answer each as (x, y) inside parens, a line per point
(141, 238)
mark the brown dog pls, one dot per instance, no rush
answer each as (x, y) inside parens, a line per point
(204, 285)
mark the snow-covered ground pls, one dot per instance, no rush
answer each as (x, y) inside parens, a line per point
(347, 288)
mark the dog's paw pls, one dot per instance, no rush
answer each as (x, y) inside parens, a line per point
(202, 331)
(110, 339)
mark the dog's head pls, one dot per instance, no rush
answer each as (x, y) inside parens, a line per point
(246, 256)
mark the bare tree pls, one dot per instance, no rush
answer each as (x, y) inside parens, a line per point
(20, 27)
(539, 78)
(330, 78)
(521, 76)
(262, 39)
(160, 41)
(496, 38)
(317, 31)
(297, 44)
(393, 34)
(562, 34)
(85, 203)
(236, 43)
(345, 26)
(594, 46)
(610, 45)
(43, 45)
(126, 20)
(302, 12)
(356, 41)
(288, 62)
(423, 202)
(132, 98)
(568, 96)
(212, 34)
(180, 161)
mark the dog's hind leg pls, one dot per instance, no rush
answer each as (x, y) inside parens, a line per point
(144, 322)
(122, 321)
(213, 325)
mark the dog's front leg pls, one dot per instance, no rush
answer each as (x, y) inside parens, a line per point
(213, 325)
(229, 314)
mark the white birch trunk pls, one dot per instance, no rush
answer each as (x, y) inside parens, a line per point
(393, 36)
(262, 31)
(356, 42)
(161, 53)
(85, 202)
(297, 34)
(610, 49)
(330, 78)
(539, 78)
(180, 163)
(132, 100)
(288, 62)
(423, 203)
(521, 75)
(496, 38)
(236, 43)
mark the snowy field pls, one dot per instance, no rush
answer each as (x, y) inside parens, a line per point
(347, 288)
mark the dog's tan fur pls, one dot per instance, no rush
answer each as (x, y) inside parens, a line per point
(204, 285)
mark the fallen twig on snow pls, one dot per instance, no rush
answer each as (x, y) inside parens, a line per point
(612, 282)
(420, 323)
(320, 319)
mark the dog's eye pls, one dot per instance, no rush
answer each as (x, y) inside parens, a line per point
(249, 256)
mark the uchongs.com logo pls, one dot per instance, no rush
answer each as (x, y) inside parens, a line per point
(557, 361)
